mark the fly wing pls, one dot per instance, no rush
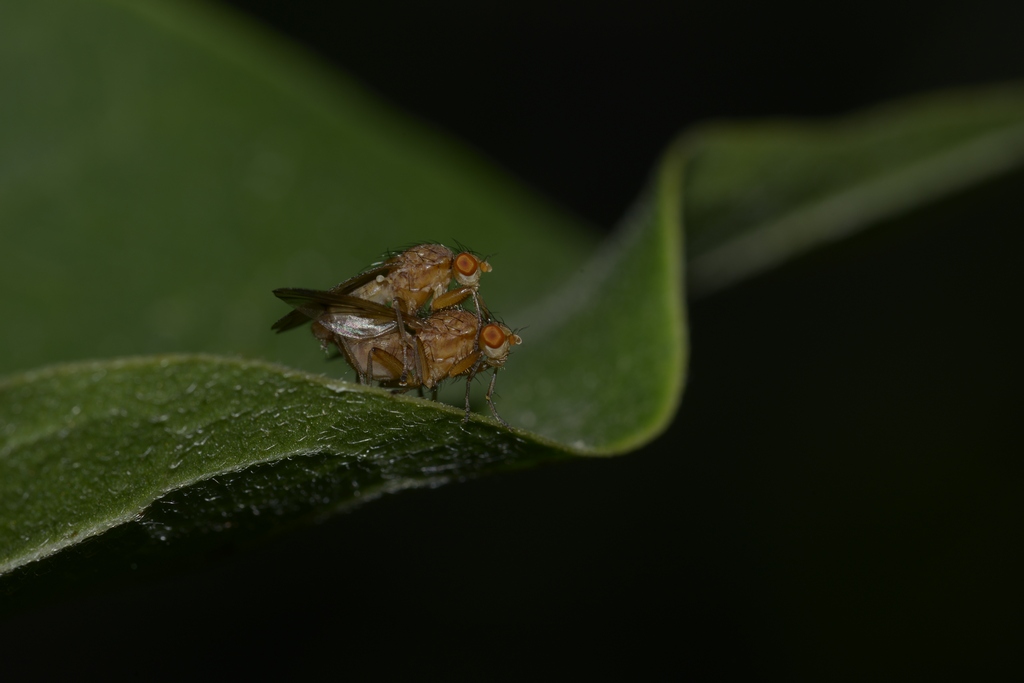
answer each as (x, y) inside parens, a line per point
(290, 321)
(345, 315)
(314, 303)
(298, 318)
(356, 281)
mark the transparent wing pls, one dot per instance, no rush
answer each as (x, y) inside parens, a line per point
(342, 314)
(298, 317)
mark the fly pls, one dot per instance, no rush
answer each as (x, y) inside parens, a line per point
(406, 282)
(448, 343)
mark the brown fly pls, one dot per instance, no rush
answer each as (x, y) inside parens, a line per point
(448, 343)
(407, 281)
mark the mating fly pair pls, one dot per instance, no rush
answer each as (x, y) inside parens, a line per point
(381, 322)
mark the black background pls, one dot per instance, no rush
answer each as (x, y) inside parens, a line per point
(579, 99)
(839, 496)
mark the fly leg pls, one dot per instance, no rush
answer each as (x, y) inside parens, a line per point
(490, 401)
(391, 365)
(403, 335)
(471, 364)
(407, 351)
(421, 374)
(469, 383)
(481, 309)
(456, 296)
(451, 298)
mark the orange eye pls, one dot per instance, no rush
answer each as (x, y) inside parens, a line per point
(492, 336)
(466, 263)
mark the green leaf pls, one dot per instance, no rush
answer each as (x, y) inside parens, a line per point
(94, 444)
(166, 167)
(761, 194)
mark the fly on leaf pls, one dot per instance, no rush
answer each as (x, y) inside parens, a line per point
(410, 352)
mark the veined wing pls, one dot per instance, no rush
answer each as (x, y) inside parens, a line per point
(298, 318)
(342, 314)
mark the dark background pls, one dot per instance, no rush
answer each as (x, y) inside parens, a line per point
(839, 496)
(579, 99)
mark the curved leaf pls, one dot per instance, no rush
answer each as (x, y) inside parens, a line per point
(91, 446)
(759, 195)
(167, 167)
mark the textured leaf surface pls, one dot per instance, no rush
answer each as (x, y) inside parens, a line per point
(166, 167)
(95, 444)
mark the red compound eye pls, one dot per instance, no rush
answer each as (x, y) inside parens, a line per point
(492, 336)
(466, 263)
